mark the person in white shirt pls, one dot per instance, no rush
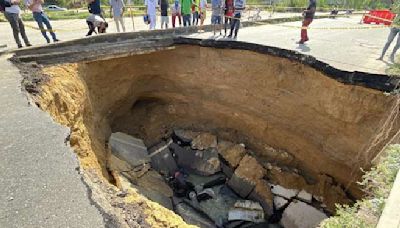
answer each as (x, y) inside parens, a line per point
(117, 12)
(12, 15)
(95, 21)
(151, 6)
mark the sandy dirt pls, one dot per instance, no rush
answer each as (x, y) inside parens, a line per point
(260, 100)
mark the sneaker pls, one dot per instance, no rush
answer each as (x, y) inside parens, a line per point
(19, 45)
(300, 42)
(230, 36)
(380, 58)
(28, 45)
(56, 40)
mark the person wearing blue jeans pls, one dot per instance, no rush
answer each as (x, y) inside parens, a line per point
(239, 6)
(41, 18)
(393, 33)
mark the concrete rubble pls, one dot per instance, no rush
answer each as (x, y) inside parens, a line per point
(301, 215)
(129, 149)
(162, 159)
(284, 192)
(304, 196)
(209, 183)
(246, 210)
(246, 176)
(280, 202)
(204, 141)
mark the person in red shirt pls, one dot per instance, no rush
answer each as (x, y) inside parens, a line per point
(229, 9)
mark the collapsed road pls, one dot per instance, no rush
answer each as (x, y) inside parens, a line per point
(303, 124)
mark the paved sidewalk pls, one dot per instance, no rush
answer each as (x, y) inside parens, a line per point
(40, 185)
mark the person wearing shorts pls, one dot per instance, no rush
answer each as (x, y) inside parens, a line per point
(203, 13)
(217, 7)
(164, 13)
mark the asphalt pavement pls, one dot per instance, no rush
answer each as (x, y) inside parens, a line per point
(39, 181)
(342, 42)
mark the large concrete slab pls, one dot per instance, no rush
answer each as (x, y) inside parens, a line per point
(40, 185)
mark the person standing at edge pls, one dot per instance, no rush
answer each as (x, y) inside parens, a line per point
(196, 12)
(12, 14)
(239, 6)
(164, 5)
(40, 17)
(117, 9)
(203, 13)
(151, 6)
(94, 7)
(308, 18)
(176, 12)
(229, 9)
(394, 31)
(216, 15)
(186, 10)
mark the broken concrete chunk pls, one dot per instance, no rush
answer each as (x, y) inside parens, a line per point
(183, 137)
(262, 194)
(208, 164)
(155, 196)
(228, 171)
(233, 154)
(241, 186)
(223, 145)
(246, 176)
(204, 141)
(154, 181)
(191, 216)
(116, 164)
(280, 202)
(218, 208)
(202, 162)
(301, 215)
(162, 159)
(304, 196)
(129, 149)
(284, 192)
(246, 210)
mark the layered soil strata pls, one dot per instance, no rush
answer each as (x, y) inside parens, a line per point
(287, 113)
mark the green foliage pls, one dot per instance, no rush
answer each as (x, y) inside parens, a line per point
(377, 184)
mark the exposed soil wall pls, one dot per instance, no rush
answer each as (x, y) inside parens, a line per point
(320, 126)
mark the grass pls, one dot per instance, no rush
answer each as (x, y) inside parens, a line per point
(377, 184)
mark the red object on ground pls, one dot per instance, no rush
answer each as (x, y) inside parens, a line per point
(371, 17)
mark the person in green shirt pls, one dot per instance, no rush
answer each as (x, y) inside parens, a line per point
(186, 11)
(394, 31)
(196, 14)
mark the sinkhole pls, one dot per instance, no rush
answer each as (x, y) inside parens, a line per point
(222, 137)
